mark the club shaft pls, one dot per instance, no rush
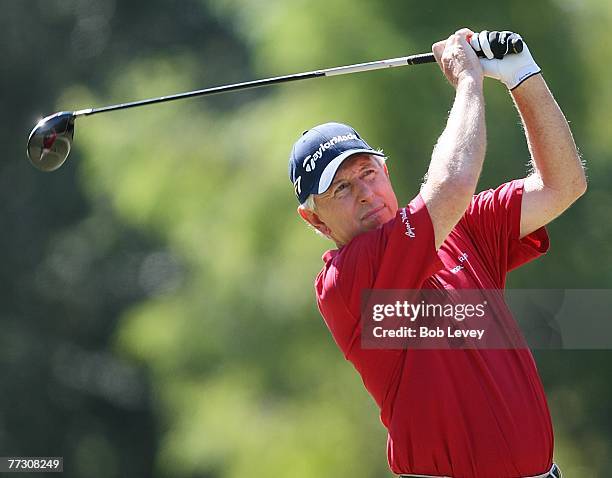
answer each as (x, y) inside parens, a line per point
(339, 70)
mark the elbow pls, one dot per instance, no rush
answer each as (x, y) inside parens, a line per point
(574, 184)
(574, 189)
(582, 186)
(579, 185)
(580, 191)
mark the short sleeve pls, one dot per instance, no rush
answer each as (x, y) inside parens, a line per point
(493, 222)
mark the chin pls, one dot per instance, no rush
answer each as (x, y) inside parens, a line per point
(374, 225)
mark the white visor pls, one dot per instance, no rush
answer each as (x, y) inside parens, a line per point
(328, 174)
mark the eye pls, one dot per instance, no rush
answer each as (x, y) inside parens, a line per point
(340, 188)
(368, 173)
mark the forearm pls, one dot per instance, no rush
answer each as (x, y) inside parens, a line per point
(456, 160)
(459, 153)
(555, 158)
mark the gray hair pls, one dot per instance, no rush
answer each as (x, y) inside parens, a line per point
(310, 203)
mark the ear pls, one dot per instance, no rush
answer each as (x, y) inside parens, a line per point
(386, 170)
(314, 220)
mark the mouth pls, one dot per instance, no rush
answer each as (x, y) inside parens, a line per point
(371, 213)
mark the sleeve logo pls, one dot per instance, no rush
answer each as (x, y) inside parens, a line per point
(410, 232)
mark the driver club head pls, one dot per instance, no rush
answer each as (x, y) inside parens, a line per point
(50, 141)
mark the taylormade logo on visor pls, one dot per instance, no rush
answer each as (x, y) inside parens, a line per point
(311, 160)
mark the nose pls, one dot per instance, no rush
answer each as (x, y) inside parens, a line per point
(365, 194)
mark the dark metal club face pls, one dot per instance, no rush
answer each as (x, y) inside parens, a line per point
(50, 141)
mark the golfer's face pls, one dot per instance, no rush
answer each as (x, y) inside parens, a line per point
(360, 199)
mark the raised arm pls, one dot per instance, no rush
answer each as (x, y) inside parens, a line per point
(459, 153)
(558, 177)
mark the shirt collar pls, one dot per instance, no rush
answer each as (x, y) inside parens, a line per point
(329, 255)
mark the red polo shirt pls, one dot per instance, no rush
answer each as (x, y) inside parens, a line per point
(461, 413)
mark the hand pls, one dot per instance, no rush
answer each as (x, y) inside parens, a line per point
(457, 58)
(511, 69)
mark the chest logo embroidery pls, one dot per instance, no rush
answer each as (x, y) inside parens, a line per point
(463, 257)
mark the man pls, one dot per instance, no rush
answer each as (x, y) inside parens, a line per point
(449, 413)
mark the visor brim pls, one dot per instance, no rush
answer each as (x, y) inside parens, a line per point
(329, 173)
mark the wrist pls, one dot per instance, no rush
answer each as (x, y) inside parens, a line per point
(470, 83)
(523, 77)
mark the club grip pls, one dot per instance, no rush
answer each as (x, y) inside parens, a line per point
(516, 45)
(420, 59)
(499, 49)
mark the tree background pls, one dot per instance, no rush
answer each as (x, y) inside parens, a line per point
(158, 317)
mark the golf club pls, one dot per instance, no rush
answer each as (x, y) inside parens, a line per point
(51, 139)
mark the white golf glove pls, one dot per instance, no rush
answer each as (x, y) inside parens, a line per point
(510, 68)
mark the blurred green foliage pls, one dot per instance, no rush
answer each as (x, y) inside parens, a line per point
(157, 299)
